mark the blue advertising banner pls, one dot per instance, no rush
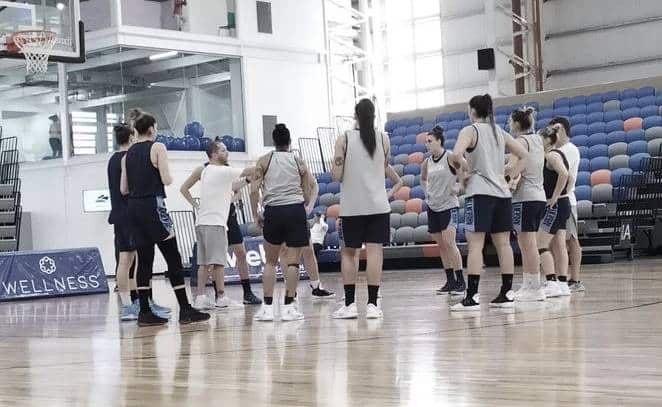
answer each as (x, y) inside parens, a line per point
(51, 273)
(255, 257)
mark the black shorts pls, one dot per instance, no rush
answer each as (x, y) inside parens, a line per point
(489, 214)
(528, 215)
(286, 224)
(440, 221)
(357, 230)
(150, 221)
(556, 217)
(234, 232)
(123, 237)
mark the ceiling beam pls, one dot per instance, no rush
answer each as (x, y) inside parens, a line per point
(174, 63)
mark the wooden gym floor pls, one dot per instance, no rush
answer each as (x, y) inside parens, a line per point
(600, 348)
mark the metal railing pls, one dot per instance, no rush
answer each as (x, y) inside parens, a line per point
(184, 222)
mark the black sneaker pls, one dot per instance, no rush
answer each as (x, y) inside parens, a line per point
(468, 304)
(458, 288)
(504, 300)
(191, 315)
(446, 289)
(149, 319)
(320, 292)
(252, 299)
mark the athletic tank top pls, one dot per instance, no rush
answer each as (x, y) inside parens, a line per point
(530, 187)
(118, 202)
(439, 194)
(144, 179)
(551, 176)
(282, 180)
(363, 190)
(486, 162)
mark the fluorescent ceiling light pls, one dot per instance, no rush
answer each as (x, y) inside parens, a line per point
(60, 6)
(163, 55)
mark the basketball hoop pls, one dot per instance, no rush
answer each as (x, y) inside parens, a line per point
(36, 46)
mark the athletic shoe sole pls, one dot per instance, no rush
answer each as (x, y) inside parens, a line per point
(188, 322)
(147, 324)
(464, 309)
(502, 304)
(325, 297)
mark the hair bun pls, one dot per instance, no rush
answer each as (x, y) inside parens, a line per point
(281, 126)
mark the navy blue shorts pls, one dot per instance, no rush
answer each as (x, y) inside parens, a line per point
(528, 215)
(440, 221)
(356, 230)
(123, 237)
(234, 232)
(488, 214)
(286, 224)
(556, 217)
(149, 220)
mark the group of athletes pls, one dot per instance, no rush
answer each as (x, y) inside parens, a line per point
(529, 191)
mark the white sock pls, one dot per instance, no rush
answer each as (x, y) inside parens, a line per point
(315, 283)
(125, 298)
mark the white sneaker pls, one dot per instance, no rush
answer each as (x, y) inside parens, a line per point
(564, 288)
(468, 304)
(290, 313)
(346, 312)
(225, 302)
(373, 312)
(202, 302)
(266, 313)
(552, 289)
(528, 294)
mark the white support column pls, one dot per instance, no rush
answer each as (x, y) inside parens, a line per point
(65, 122)
(101, 139)
(491, 41)
(116, 12)
(237, 99)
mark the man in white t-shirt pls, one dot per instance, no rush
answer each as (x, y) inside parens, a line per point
(318, 232)
(571, 153)
(216, 193)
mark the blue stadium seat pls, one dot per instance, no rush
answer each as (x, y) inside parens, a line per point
(630, 113)
(466, 122)
(333, 187)
(578, 119)
(410, 138)
(449, 144)
(628, 103)
(597, 127)
(617, 174)
(419, 148)
(583, 192)
(658, 100)
(581, 140)
(636, 147)
(614, 125)
(611, 95)
(322, 188)
(332, 240)
(415, 169)
(594, 117)
(324, 178)
(443, 117)
(406, 149)
(542, 123)
(616, 137)
(645, 91)
(578, 129)
(584, 165)
(649, 111)
(583, 178)
(455, 124)
(628, 94)
(394, 150)
(417, 192)
(451, 134)
(562, 111)
(502, 110)
(647, 101)
(577, 109)
(389, 126)
(594, 107)
(599, 163)
(636, 161)
(533, 104)
(583, 151)
(593, 98)
(652, 121)
(426, 127)
(414, 129)
(397, 141)
(596, 138)
(400, 131)
(546, 114)
(635, 135)
(612, 115)
(561, 102)
(577, 100)
(600, 150)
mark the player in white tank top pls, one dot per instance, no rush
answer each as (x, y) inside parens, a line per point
(440, 182)
(488, 206)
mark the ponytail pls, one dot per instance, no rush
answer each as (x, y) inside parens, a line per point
(484, 108)
(365, 117)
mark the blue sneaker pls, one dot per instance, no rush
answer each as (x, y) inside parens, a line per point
(159, 309)
(128, 313)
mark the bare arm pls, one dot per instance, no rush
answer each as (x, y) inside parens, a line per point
(124, 181)
(309, 186)
(518, 154)
(513, 162)
(424, 176)
(338, 167)
(465, 140)
(185, 189)
(256, 186)
(159, 156)
(395, 178)
(555, 162)
(244, 179)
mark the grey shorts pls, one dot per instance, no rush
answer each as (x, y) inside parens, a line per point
(571, 225)
(212, 245)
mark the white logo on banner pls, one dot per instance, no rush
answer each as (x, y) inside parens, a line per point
(47, 265)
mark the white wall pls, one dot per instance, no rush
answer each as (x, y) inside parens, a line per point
(205, 17)
(96, 14)
(614, 45)
(141, 13)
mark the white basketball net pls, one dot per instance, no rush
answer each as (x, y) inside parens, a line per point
(36, 46)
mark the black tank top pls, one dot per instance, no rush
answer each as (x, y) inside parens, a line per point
(550, 177)
(144, 179)
(118, 202)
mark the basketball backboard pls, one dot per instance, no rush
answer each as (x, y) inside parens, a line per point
(61, 17)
